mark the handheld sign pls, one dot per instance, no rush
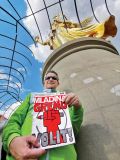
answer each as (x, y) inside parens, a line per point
(51, 121)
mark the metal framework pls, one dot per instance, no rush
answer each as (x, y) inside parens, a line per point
(10, 74)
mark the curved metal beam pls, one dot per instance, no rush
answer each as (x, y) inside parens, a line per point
(16, 52)
(14, 97)
(3, 95)
(5, 102)
(14, 77)
(9, 92)
(7, 22)
(11, 65)
(47, 14)
(63, 14)
(40, 10)
(17, 42)
(4, 85)
(107, 7)
(14, 70)
(93, 11)
(13, 83)
(75, 3)
(14, 61)
(18, 23)
(35, 20)
(14, 8)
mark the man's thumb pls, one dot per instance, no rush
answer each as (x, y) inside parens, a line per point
(33, 140)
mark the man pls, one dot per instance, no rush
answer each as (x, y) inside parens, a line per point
(17, 139)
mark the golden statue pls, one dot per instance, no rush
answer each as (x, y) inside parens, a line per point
(64, 31)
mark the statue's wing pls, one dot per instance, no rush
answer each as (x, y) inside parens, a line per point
(87, 21)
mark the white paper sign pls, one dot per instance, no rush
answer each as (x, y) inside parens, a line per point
(51, 121)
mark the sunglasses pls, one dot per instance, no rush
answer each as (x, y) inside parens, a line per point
(51, 77)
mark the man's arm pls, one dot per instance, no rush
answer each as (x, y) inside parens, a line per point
(13, 127)
(76, 111)
(76, 116)
(20, 147)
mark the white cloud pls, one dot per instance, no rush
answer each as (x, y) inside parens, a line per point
(40, 69)
(1, 112)
(15, 85)
(42, 52)
(114, 7)
(40, 17)
(23, 90)
(3, 76)
(21, 69)
(11, 109)
(1, 70)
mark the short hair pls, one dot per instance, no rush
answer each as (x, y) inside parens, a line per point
(50, 71)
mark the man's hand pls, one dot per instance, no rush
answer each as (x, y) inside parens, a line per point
(25, 148)
(72, 100)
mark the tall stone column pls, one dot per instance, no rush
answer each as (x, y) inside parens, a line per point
(90, 67)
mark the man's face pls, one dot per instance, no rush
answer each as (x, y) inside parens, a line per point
(51, 81)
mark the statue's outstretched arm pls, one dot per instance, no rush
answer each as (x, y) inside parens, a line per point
(37, 39)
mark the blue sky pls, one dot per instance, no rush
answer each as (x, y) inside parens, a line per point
(32, 78)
